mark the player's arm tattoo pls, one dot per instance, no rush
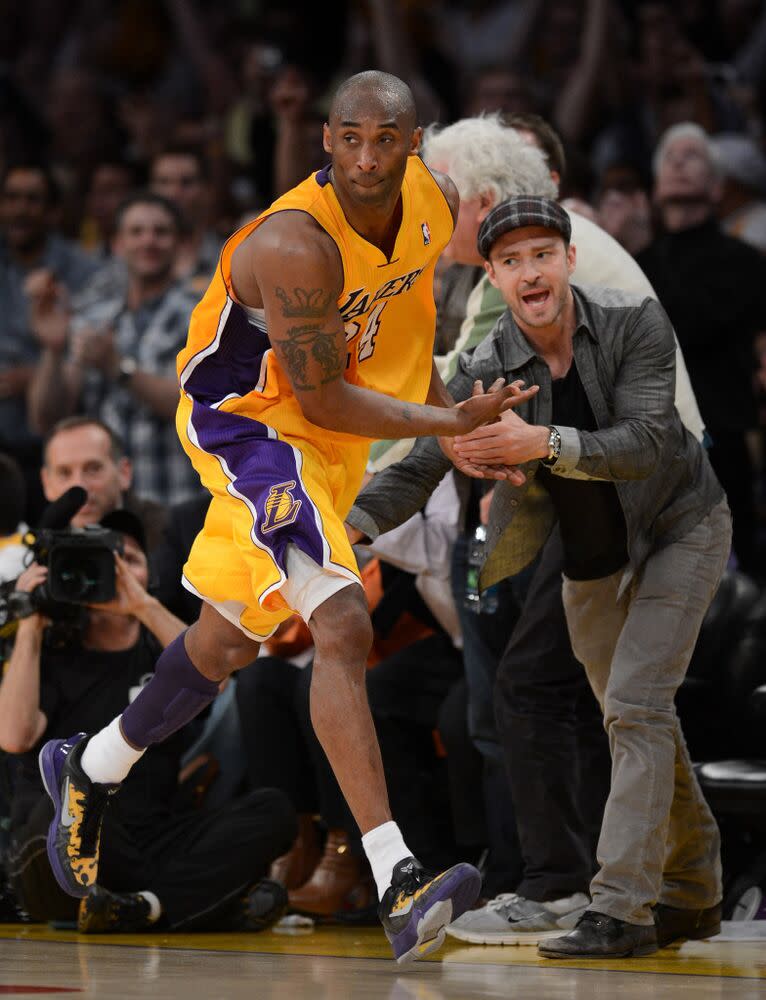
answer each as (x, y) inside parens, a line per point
(305, 303)
(303, 343)
(307, 342)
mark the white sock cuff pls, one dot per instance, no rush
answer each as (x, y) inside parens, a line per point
(108, 757)
(155, 906)
(384, 847)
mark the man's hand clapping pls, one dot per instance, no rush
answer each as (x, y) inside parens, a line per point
(503, 398)
(49, 309)
(510, 441)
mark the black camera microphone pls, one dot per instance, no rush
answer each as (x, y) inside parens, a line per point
(58, 514)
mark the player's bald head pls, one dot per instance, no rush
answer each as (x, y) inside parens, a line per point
(377, 94)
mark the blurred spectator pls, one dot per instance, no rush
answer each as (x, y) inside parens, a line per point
(711, 286)
(81, 124)
(535, 130)
(181, 175)
(249, 131)
(489, 32)
(623, 208)
(742, 207)
(12, 526)
(111, 181)
(122, 352)
(497, 88)
(677, 82)
(297, 124)
(29, 243)
(23, 132)
(83, 451)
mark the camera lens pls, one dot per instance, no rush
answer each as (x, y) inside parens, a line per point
(78, 580)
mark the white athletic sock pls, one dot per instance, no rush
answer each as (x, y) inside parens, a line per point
(155, 905)
(384, 846)
(108, 756)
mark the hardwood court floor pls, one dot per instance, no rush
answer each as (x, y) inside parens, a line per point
(335, 964)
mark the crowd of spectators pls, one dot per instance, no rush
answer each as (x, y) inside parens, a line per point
(134, 137)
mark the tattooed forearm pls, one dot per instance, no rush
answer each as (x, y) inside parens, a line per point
(304, 302)
(331, 362)
(303, 344)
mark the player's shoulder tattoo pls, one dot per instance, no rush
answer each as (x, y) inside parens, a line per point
(309, 303)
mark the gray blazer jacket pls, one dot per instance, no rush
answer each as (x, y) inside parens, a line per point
(624, 350)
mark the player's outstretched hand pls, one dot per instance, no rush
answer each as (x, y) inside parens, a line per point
(484, 407)
(504, 397)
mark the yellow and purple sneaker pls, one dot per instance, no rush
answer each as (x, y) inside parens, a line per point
(79, 803)
(418, 905)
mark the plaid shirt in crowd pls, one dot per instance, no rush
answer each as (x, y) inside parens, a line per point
(152, 335)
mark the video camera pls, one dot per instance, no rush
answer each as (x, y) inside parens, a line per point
(80, 565)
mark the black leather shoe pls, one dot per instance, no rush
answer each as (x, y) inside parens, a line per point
(674, 924)
(599, 936)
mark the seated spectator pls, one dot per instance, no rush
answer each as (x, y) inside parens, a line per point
(166, 865)
(181, 175)
(111, 181)
(29, 242)
(83, 451)
(121, 362)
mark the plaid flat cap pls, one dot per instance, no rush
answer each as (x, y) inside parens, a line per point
(518, 213)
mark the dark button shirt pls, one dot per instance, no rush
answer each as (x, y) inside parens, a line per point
(624, 350)
(593, 529)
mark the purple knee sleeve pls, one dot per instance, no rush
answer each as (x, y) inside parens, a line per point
(175, 694)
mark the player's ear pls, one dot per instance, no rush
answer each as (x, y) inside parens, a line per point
(417, 135)
(326, 138)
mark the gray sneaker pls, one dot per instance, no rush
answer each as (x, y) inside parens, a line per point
(513, 919)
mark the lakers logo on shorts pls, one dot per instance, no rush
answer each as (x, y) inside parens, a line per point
(281, 507)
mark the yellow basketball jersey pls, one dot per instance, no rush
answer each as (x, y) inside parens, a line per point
(281, 485)
(387, 307)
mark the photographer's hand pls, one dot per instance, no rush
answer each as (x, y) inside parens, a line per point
(132, 599)
(32, 577)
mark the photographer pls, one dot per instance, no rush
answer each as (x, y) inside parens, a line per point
(164, 865)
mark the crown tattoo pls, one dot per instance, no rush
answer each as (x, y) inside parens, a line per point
(311, 304)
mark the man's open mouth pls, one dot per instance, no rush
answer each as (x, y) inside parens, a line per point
(536, 298)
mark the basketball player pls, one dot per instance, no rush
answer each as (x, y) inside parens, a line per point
(314, 337)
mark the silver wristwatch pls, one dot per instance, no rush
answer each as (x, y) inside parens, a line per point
(554, 446)
(126, 370)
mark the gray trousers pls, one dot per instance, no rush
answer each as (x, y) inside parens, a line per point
(659, 841)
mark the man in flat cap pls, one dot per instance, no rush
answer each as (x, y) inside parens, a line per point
(646, 532)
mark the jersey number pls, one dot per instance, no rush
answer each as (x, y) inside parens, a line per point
(366, 347)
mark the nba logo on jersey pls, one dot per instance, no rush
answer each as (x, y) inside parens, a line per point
(281, 507)
(426, 233)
